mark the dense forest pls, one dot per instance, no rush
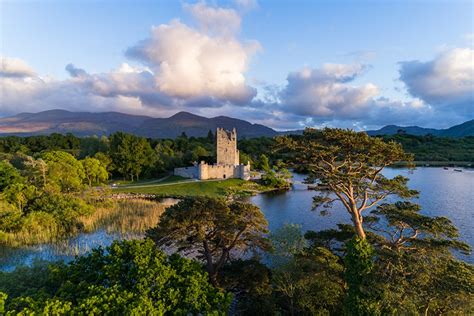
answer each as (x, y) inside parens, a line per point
(133, 157)
(390, 259)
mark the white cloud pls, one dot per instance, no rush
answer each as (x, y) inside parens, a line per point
(215, 20)
(191, 64)
(14, 67)
(184, 68)
(326, 92)
(446, 82)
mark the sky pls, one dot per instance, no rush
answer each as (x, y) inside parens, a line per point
(284, 64)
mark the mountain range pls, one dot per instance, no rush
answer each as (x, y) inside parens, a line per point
(461, 130)
(105, 123)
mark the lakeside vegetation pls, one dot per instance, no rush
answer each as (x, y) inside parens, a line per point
(125, 216)
(390, 260)
(46, 193)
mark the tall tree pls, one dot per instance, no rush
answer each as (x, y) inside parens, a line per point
(211, 229)
(130, 154)
(94, 171)
(64, 171)
(350, 165)
(408, 268)
(210, 137)
(36, 170)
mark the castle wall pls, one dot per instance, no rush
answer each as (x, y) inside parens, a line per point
(217, 171)
(243, 171)
(187, 172)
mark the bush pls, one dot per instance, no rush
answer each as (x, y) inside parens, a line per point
(129, 277)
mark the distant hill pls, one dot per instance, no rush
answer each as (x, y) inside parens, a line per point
(461, 130)
(105, 123)
(87, 124)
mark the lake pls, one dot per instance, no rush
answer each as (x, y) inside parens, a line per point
(442, 193)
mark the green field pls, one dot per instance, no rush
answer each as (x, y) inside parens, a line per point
(167, 179)
(213, 188)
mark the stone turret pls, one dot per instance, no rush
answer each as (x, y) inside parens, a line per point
(227, 153)
(228, 163)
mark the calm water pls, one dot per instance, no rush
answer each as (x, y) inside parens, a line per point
(442, 193)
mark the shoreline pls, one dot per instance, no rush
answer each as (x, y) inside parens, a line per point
(468, 164)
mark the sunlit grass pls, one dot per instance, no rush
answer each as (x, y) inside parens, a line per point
(222, 188)
(134, 216)
(123, 217)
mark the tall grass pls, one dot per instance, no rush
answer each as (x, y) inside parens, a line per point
(125, 216)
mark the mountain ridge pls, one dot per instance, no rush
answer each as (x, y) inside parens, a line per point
(105, 123)
(459, 130)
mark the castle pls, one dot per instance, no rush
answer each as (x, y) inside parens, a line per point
(228, 164)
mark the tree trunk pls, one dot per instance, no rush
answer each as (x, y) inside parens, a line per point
(213, 279)
(210, 265)
(357, 220)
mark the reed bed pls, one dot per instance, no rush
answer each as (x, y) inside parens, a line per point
(125, 216)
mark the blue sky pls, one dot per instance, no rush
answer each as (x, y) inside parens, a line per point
(368, 40)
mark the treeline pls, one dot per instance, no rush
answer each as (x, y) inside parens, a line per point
(129, 156)
(132, 157)
(433, 148)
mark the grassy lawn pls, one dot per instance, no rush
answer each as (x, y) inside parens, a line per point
(208, 188)
(168, 179)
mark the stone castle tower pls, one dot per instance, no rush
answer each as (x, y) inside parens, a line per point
(227, 153)
(228, 162)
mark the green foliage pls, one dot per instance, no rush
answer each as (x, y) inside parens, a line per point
(359, 266)
(252, 280)
(64, 171)
(431, 148)
(412, 270)
(130, 154)
(310, 284)
(43, 198)
(211, 229)
(127, 278)
(286, 241)
(8, 175)
(3, 298)
(10, 217)
(19, 194)
(64, 208)
(276, 177)
(95, 172)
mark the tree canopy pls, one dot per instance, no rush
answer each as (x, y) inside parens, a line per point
(211, 229)
(126, 278)
(350, 165)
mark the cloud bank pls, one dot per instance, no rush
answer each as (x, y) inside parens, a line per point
(202, 68)
(446, 82)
